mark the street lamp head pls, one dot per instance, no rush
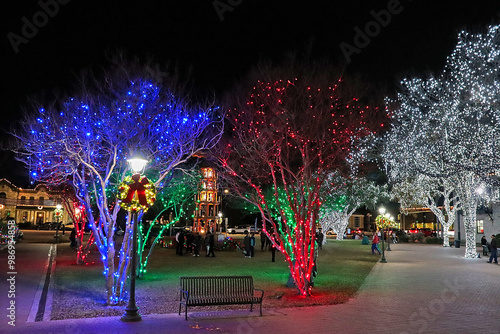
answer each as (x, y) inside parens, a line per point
(137, 161)
(220, 214)
(381, 210)
(59, 206)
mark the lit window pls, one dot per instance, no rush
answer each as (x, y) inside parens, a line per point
(480, 227)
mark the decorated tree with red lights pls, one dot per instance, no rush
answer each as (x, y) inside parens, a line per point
(77, 213)
(296, 125)
(85, 141)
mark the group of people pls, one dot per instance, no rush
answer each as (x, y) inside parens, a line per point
(193, 243)
(490, 247)
(265, 244)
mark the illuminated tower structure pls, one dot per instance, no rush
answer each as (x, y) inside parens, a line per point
(207, 203)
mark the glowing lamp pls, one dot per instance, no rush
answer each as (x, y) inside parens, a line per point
(137, 162)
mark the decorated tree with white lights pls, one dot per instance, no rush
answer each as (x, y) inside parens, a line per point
(437, 194)
(448, 126)
(295, 127)
(85, 141)
(343, 196)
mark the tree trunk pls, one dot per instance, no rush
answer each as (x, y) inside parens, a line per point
(446, 237)
(110, 264)
(470, 234)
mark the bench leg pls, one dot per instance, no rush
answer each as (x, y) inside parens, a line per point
(186, 315)
(261, 308)
(251, 307)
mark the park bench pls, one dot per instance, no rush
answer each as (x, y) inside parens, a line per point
(218, 290)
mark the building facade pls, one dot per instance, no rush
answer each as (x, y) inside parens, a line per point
(37, 205)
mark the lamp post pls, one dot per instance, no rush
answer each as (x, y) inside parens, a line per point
(57, 213)
(220, 220)
(137, 163)
(382, 212)
(388, 238)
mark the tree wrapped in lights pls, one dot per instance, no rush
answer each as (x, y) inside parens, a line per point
(438, 194)
(174, 199)
(344, 195)
(292, 131)
(448, 126)
(77, 213)
(86, 139)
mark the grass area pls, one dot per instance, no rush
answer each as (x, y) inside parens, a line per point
(79, 291)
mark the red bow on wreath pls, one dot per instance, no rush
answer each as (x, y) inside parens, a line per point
(138, 186)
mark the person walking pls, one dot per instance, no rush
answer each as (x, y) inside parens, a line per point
(179, 238)
(196, 244)
(210, 244)
(273, 253)
(375, 242)
(252, 244)
(493, 249)
(246, 244)
(319, 238)
(484, 243)
(263, 238)
(189, 242)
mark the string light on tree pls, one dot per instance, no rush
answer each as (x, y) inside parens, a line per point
(447, 127)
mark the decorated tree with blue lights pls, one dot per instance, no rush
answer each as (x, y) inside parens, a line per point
(85, 140)
(297, 125)
(343, 195)
(448, 126)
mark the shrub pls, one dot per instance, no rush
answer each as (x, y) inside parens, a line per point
(402, 237)
(433, 240)
(416, 237)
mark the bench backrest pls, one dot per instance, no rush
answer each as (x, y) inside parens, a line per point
(217, 285)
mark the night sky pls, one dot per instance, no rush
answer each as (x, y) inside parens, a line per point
(77, 35)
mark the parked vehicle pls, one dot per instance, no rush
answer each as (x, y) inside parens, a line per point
(426, 231)
(238, 229)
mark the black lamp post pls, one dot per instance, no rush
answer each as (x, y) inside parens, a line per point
(388, 237)
(57, 214)
(137, 164)
(383, 260)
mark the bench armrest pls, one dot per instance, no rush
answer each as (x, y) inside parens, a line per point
(261, 292)
(184, 294)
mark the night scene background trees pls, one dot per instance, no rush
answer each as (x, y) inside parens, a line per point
(297, 137)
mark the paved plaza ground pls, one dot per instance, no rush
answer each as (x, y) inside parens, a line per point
(422, 289)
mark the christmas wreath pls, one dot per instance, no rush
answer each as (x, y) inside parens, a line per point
(136, 193)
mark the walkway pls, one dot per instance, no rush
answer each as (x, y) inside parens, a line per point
(422, 289)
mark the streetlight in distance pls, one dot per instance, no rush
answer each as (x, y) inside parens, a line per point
(220, 221)
(137, 163)
(381, 217)
(391, 218)
(57, 214)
